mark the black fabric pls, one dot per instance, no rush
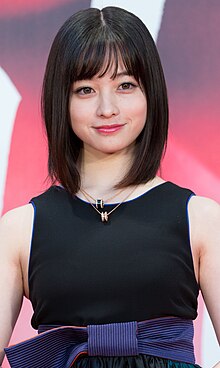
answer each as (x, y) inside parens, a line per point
(137, 266)
(140, 361)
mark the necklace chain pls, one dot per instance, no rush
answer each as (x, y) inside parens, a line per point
(101, 202)
(105, 215)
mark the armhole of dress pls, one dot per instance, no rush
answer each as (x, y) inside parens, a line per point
(31, 243)
(189, 237)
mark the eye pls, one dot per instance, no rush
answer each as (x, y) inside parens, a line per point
(84, 91)
(127, 86)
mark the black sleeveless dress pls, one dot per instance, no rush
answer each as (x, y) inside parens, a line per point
(135, 267)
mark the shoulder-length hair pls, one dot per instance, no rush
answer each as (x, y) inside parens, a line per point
(79, 51)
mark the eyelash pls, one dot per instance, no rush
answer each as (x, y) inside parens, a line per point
(132, 85)
(79, 90)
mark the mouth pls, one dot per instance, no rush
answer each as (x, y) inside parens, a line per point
(109, 128)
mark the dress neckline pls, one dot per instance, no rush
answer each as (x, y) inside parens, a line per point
(149, 191)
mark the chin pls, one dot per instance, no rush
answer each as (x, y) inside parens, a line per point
(112, 150)
(109, 149)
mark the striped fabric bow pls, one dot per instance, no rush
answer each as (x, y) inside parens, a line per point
(59, 347)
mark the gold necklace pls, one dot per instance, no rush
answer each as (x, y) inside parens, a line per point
(105, 215)
(100, 202)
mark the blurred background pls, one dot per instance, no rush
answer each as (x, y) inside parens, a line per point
(187, 36)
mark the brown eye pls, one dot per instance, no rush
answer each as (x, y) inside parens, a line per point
(127, 85)
(84, 91)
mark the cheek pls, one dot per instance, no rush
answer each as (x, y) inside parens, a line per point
(139, 110)
(81, 112)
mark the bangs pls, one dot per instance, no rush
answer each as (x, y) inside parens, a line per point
(103, 55)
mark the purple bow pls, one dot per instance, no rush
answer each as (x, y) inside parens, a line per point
(59, 347)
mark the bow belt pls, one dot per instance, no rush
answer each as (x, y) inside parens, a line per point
(60, 346)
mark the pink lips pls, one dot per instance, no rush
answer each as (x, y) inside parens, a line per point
(107, 129)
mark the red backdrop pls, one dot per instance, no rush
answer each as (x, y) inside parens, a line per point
(190, 52)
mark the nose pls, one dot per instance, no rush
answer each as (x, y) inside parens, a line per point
(107, 106)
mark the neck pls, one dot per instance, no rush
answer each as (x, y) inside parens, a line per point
(101, 172)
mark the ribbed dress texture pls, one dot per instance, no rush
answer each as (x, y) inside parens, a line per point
(135, 267)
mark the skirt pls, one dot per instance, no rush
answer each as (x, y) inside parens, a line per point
(139, 361)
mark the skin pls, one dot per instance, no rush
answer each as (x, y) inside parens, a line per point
(106, 101)
(103, 162)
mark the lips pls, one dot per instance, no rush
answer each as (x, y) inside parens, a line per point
(109, 128)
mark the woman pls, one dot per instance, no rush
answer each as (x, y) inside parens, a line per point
(117, 254)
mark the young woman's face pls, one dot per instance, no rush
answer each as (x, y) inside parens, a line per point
(108, 114)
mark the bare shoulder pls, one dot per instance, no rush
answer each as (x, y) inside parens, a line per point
(16, 217)
(204, 208)
(204, 216)
(205, 204)
(15, 227)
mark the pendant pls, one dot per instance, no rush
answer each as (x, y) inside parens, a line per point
(99, 202)
(104, 216)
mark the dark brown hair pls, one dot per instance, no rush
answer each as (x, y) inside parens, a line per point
(79, 52)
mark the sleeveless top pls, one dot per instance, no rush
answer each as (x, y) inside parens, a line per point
(136, 266)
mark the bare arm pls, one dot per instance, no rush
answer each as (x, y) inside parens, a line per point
(205, 224)
(14, 232)
(217, 365)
